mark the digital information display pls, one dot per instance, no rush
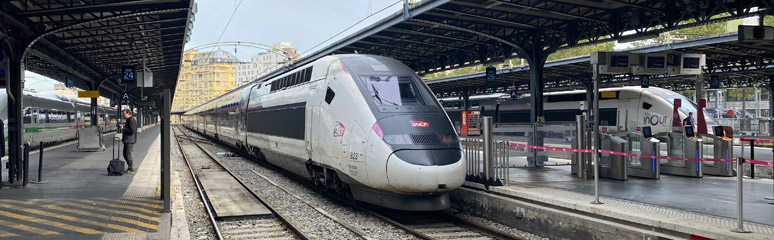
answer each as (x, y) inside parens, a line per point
(691, 63)
(656, 62)
(671, 60)
(491, 74)
(128, 75)
(715, 81)
(619, 61)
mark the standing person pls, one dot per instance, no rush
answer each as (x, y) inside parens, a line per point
(129, 138)
(689, 120)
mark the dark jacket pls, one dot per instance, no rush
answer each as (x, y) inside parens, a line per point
(688, 121)
(130, 131)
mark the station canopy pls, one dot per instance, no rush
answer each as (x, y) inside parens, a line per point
(737, 64)
(92, 40)
(435, 35)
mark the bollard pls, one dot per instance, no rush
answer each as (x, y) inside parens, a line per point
(739, 198)
(488, 152)
(40, 163)
(26, 167)
(752, 156)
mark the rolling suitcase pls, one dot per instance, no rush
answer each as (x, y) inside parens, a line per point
(116, 165)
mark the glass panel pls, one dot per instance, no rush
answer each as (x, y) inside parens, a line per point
(635, 149)
(708, 151)
(675, 150)
(604, 158)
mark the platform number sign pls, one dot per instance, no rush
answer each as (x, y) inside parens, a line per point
(128, 75)
(645, 81)
(715, 82)
(514, 94)
(491, 74)
(69, 81)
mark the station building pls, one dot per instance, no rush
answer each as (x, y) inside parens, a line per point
(266, 62)
(204, 76)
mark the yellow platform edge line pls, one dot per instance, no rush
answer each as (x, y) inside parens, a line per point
(136, 203)
(138, 209)
(73, 219)
(100, 216)
(7, 234)
(103, 210)
(142, 199)
(49, 223)
(122, 212)
(28, 228)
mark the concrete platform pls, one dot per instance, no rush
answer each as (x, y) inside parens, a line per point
(228, 197)
(79, 201)
(671, 206)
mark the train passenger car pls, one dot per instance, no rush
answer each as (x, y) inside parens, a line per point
(620, 109)
(51, 118)
(365, 126)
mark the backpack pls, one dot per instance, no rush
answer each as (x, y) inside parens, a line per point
(115, 167)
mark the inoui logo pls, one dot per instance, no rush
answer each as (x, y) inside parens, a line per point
(419, 124)
(654, 119)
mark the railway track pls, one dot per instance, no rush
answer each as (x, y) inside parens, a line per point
(422, 225)
(277, 227)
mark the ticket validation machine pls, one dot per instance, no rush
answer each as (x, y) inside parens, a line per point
(718, 146)
(611, 165)
(681, 145)
(643, 144)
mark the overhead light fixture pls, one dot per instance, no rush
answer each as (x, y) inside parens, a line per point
(637, 37)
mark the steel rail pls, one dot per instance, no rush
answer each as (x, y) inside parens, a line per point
(207, 206)
(282, 218)
(487, 231)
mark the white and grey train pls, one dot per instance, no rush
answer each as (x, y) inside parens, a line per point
(364, 126)
(51, 118)
(620, 109)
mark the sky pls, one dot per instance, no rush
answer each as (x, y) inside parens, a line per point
(304, 23)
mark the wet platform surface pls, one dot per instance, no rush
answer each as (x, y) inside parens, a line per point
(78, 200)
(709, 195)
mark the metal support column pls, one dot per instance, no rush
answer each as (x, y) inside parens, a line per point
(166, 168)
(536, 58)
(94, 112)
(595, 135)
(769, 87)
(15, 83)
(140, 118)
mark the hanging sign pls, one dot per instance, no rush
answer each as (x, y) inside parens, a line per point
(88, 94)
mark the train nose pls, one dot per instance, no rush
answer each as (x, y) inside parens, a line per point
(426, 171)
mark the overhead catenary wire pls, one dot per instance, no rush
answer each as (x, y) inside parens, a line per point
(224, 30)
(350, 27)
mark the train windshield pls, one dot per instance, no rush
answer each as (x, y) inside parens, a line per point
(686, 106)
(393, 90)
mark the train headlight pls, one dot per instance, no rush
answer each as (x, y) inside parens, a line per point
(449, 139)
(395, 139)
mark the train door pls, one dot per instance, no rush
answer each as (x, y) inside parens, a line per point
(623, 115)
(312, 113)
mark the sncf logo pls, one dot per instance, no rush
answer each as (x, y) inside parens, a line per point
(338, 129)
(419, 124)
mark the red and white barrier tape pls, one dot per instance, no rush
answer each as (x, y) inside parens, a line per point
(756, 140)
(759, 162)
(750, 161)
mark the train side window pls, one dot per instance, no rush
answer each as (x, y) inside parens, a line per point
(474, 104)
(329, 95)
(28, 115)
(646, 105)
